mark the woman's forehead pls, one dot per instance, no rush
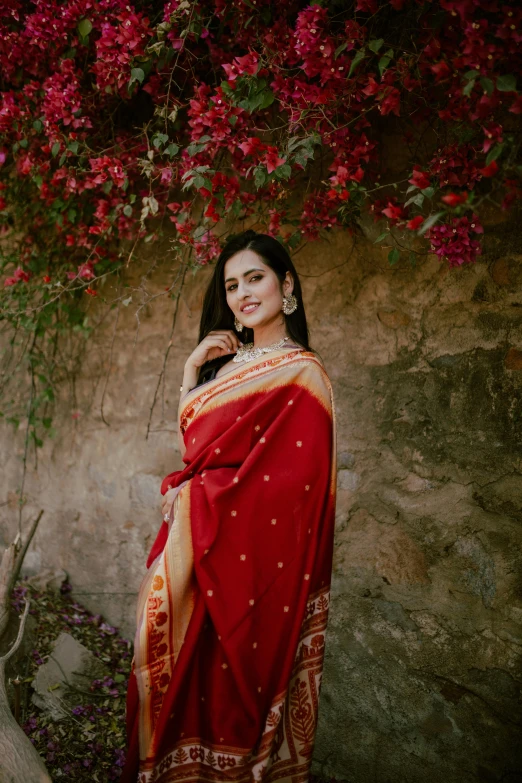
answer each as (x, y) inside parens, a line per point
(241, 262)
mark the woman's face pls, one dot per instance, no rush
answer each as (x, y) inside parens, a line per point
(254, 292)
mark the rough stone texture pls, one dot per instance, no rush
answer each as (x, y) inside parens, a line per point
(70, 666)
(422, 677)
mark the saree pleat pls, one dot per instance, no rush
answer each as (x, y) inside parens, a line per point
(232, 612)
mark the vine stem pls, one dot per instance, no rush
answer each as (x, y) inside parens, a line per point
(26, 440)
(181, 276)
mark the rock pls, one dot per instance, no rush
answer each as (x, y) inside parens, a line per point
(345, 460)
(70, 667)
(501, 272)
(348, 479)
(393, 319)
(48, 579)
(513, 360)
(385, 549)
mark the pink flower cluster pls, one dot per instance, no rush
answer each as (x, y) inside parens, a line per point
(19, 276)
(454, 241)
(107, 107)
(121, 40)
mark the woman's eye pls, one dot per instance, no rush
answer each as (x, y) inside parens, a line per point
(256, 277)
(231, 288)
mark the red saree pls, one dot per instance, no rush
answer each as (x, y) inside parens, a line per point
(232, 612)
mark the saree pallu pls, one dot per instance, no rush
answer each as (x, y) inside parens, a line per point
(232, 613)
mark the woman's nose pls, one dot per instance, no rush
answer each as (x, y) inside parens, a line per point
(242, 290)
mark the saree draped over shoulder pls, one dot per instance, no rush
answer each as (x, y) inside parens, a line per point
(232, 612)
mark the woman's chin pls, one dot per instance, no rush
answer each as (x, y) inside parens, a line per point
(257, 321)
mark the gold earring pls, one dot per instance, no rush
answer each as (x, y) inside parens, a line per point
(238, 325)
(289, 304)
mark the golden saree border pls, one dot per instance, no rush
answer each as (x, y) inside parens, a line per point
(255, 378)
(284, 753)
(165, 604)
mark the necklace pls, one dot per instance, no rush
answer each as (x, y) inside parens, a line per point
(247, 353)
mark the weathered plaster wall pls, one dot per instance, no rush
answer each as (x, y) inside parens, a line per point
(422, 678)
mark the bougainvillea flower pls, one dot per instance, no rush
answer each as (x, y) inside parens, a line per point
(493, 134)
(252, 145)
(393, 211)
(490, 170)
(441, 70)
(271, 160)
(454, 199)
(415, 222)
(419, 178)
(453, 241)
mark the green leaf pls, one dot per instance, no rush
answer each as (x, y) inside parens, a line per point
(159, 140)
(340, 49)
(381, 237)
(428, 192)
(172, 150)
(47, 422)
(119, 678)
(507, 83)
(376, 44)
(359, 57)
(302, 157)
(260, 177)
(232, 119)
(63, 158)
(73, 147)
(267, 98)
(38, 125)
(429, 222)
(383, 64)
(393, 256)
(283, 171)
(23, 143)
(471, 74)
(137, 75)
(494, 153)
(417, 199)
(196, 147)
(84, 27)
(202, 182)
(487, 85)
(55, 149)
(468, 88)
(127, 210)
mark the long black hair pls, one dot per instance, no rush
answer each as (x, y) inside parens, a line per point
(218, 315)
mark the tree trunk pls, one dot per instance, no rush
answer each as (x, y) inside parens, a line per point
(19, 761)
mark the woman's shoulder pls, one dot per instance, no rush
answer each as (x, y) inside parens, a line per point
(308, 366)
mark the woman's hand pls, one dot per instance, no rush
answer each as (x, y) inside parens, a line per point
(221, 342)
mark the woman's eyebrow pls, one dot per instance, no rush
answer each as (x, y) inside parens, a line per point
(245, 274)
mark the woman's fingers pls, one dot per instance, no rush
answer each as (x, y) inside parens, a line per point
(230, 336)
(221, 342)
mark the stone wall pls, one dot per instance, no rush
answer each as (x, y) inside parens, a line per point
(423, 657)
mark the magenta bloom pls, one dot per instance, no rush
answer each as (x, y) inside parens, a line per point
(454, 241)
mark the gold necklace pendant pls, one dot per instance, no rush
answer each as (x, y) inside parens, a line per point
(248, 353)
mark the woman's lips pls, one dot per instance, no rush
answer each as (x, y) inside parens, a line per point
(250, 308)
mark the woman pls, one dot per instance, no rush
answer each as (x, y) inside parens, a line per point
(232, 612)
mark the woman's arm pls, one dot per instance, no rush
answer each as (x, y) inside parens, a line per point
(215, 344)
